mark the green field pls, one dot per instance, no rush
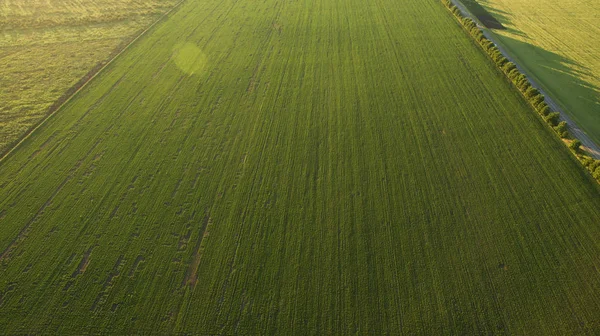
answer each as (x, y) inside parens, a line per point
(299, 167)
(558, 42)
(47, 46)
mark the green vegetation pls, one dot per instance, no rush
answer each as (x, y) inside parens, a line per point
(575, 145)
(558, 42)
(531, 94)
(299, 167)
(48, 48)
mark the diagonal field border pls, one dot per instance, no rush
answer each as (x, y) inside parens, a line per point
(588, 144)
(32, 130)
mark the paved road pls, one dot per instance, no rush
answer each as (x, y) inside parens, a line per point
(587, 143)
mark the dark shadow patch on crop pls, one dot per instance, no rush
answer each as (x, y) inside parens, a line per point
(488, 19)
(504, 17)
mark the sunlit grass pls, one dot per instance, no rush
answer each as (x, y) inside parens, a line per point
(309, 167)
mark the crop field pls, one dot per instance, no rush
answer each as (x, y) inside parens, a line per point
(299, 167)
(558, 42)
(46, 47)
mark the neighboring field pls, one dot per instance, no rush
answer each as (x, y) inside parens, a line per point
(299, 167)
(48, 46)
(558, 42)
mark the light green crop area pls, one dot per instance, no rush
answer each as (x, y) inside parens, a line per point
(558, 42)
(299, 167)
(47, 46)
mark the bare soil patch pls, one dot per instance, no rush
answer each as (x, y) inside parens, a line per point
(192, 273)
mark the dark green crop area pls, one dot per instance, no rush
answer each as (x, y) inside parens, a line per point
(299, 167)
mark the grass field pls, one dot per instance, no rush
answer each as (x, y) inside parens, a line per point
(299, 167)
(46, 47)
(558, 42)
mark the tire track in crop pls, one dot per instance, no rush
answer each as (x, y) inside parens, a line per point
(244, 203)
(108, 283)
(83, 264)
(191, 276)
(25, 230)
(136, 265)
(148, 133)
(22, 235)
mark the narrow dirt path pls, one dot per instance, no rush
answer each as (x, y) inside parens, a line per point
(83, 85)
(587, 143)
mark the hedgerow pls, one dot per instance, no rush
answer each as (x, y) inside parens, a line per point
(529, 92)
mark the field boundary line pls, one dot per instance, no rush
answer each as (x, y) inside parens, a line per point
(589, 145)
(32, 130)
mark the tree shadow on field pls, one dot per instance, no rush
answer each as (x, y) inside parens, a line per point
(497, 18)
(483, 15)
(562, 78)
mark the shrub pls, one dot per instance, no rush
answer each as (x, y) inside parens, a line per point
(544, 110)
(514, 74)
(561, 130)
(536, 100)
(523, 84)
(541, 105)
(575, 145)
(561, 127)
(469, 23)
(531, 92)
(594, 165)
(508, 67)
(520, 79)
(501, 61)
(586, 161)
(553, 118)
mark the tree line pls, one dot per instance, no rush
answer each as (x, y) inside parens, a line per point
(531, 94)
